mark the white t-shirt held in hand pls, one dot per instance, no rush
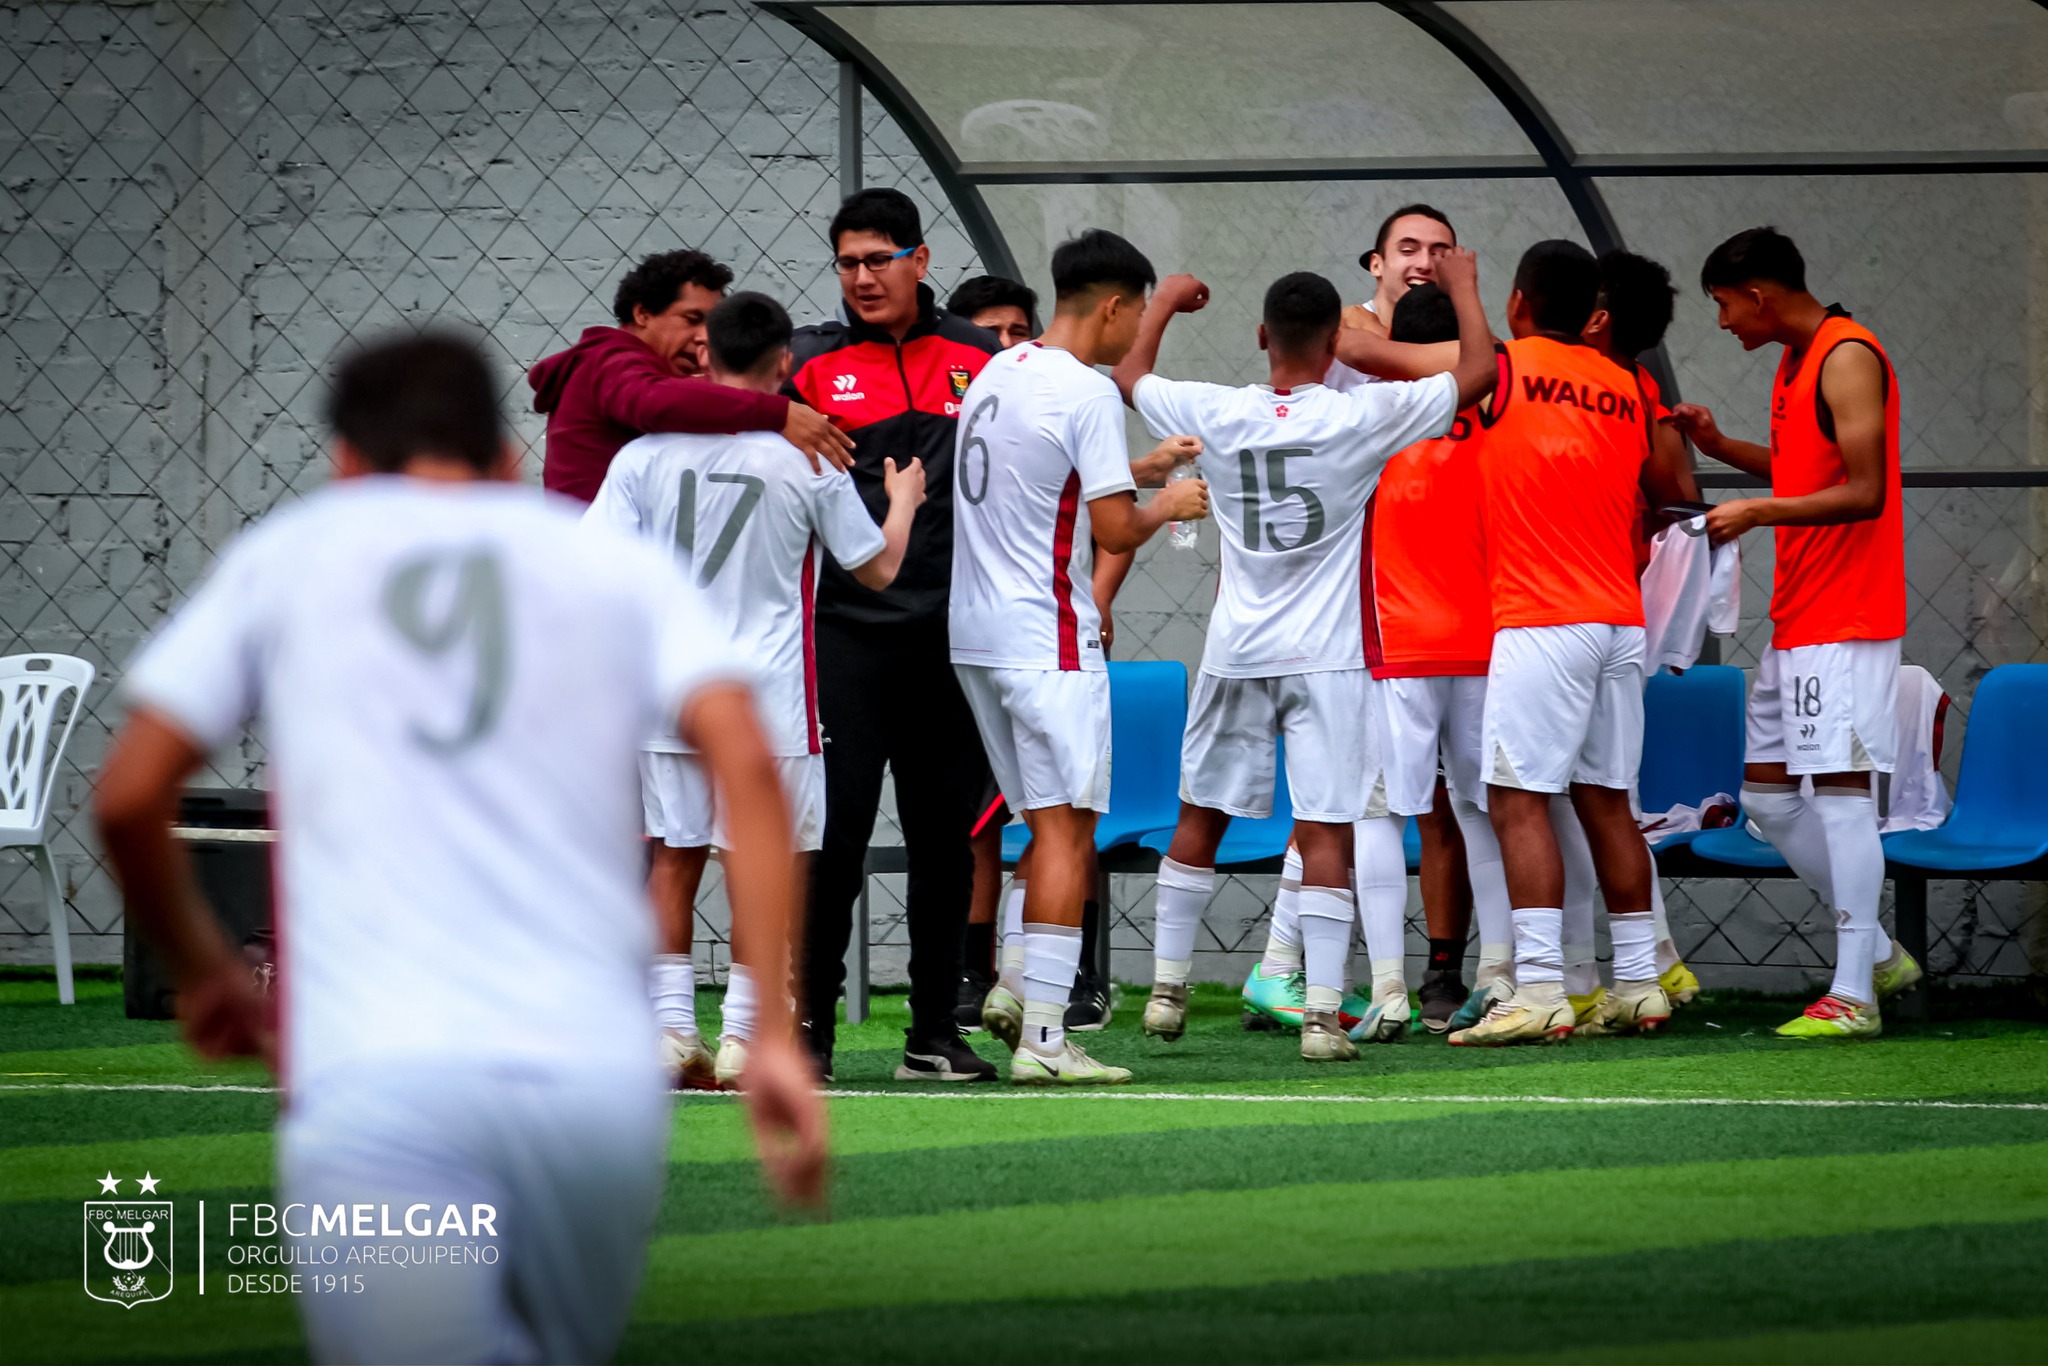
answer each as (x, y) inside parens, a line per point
(1040, 435)
(1291, 474)
(744, 515)
(454, 681)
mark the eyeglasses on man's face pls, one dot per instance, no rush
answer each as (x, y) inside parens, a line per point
(875, 261)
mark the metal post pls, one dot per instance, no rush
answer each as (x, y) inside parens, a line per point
(849, 129)
(1909, 922)
(857, 958)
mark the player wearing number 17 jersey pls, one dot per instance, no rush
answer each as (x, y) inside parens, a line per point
(1294, 464)
(747, 528)
(454, 675)
(1043, 472)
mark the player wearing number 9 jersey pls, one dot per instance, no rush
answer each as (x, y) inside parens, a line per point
(748, 530)
(454, 676)
(1293, 465)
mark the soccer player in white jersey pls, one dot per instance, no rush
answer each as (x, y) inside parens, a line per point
(747, 530)
(1293, 463)
(454, 677)
(1042, 470)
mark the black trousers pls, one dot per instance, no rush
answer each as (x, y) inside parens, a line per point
(887, 696)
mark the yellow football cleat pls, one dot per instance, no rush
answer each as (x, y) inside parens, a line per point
(1895, 973)
(1584, 1008)
(1831, 1017)
(1680, 986)
(1002, 1014)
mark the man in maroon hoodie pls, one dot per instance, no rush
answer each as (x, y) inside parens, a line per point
(617, 383)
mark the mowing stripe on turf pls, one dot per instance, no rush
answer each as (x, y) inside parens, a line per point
(1561, 1214)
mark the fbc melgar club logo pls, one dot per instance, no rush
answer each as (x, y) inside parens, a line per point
(128, 1244)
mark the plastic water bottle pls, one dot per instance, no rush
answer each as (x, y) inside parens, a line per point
(1181, 535)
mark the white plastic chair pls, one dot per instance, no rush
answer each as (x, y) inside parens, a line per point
(32, 688)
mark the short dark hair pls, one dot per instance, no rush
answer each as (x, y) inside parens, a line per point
(1379, 242)
(1751, 255)
(744, 329)
(1099, 257)
(417, 393)
(1560, 281)
(1638, 294)
(1424, 315)
(993, 291)
(1301, 309)
(657, 282)
(881, 211)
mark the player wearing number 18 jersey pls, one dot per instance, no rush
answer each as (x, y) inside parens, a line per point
(748, 529)
(1294, 464)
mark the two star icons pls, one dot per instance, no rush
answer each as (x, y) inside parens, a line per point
(111, 1184)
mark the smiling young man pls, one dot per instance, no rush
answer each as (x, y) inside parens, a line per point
(893, 374)
(1825, 699)
(1411, 240)
(641, 376)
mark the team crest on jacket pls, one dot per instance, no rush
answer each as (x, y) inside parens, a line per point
(960, 380)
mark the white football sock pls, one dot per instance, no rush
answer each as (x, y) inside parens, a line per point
(1793, 827)
(1183, 895)
(1489, 892)
(1581, 885)
(1667, 950)
(1010, 960)
(1283, 931)
(1635, 946)
(673, 984)
(742, 1004)
(1052, 955)
(1326, 915)
(1381, 870)
(1856, 865)
(1539, 951)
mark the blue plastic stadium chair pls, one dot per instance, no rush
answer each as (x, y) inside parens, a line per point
(1148, 710)
(1736, 846)
(2000, 818)
(1246, 841)
(1692, 745)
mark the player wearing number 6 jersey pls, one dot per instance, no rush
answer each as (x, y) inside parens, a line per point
(454, 676)
(1042, 473)
(747, 528)
(1826, 691)
(1293, 464)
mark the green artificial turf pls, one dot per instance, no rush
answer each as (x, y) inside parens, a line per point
(1597, 1202)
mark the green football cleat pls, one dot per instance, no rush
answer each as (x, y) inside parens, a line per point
(1895, 973)
(1068, 1067)
(1166, 1012)
(1351, 1010)
(1002, 1014)
(1831, 1017)
(1679, 983)
(1279, 999)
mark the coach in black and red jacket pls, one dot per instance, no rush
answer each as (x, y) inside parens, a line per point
(893, 376)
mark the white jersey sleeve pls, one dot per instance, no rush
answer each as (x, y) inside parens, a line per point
(842, 520)
(1400, 413)
(1172, 407)
(691, 649)
(1096, 441)
(203, 667)
(618, 503)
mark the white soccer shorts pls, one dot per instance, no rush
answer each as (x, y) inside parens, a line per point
(1826, 708)
(675, 799)
(1046, 732)
(1228, 757)
(1427, 724)
(1564, 705)
(570, 1162)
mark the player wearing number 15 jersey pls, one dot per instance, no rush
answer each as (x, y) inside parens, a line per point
(747, 527)
(1293, 464)
(454, 675)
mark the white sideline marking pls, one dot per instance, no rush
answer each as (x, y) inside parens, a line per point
(1790, 1102)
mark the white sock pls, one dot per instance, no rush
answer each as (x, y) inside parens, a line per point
(1183, 895)
(1381, 871)
(1539, 950)
(1581, 886)
(1667, 950)
(1635, 946)
(1326, 914)
(1010, 959)
(742, 1005)
(1052, 955)
(673, 984)
(1489, 892)
(1856, 865)
(1793, 827)
(1283, 931)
